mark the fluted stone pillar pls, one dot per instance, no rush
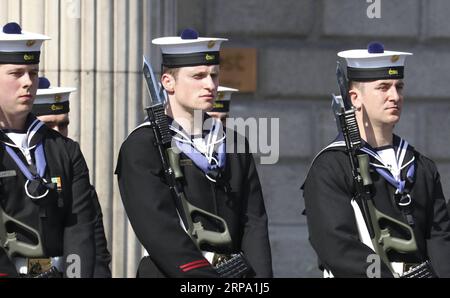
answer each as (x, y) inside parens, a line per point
(97, 47)
(50, 57)
(87, 85)
(70, 58)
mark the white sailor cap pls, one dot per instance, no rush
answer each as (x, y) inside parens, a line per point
(189, 49)
(222, 101)
(51, 101)
(374, 63)
(19, 47)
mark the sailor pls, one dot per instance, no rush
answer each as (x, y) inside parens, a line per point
(218, 181)
(406, 184)
(45, 195)
(52, 107)
(221, 107)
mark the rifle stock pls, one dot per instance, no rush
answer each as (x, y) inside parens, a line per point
(10, 243)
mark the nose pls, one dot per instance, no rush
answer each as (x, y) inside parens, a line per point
(210, 83)
(394, 94)
(27, 80)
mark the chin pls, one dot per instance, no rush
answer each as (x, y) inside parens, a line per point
(206, 107)
(25, 109)
(393, 120)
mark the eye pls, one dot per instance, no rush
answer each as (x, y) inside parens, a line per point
(16, 74)
(199, 75)
(383, 87)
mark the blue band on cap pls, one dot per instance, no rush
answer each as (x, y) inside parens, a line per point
(12, 28)
(189, 34)
(44, 83)
(375, 48)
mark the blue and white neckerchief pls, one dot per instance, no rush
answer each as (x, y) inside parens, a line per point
(395, 180)
(33, 173)
(207, 153)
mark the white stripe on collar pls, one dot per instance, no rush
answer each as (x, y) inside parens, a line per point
(147, 123)
(400, 154)
(31, 132)
(332, 145)
(209, 142)
(398, 151)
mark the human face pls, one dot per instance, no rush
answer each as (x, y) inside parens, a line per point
(60, 122)
(382, 100)
(18, 85)
(195, 87)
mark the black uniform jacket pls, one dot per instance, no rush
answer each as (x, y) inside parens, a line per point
(333, 232)
(102, 254)
(448, 206)
(65, 217)
(153, 213)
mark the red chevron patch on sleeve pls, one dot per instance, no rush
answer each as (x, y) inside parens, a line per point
(194, 265)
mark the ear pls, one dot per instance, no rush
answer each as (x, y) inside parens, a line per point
(168, 82)
(356, 98)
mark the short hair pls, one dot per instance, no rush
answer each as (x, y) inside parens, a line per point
(355, 84)
(173, 71)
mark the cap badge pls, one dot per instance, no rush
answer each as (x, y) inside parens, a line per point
(395, 58)
(30, 43)
(211, 44)
(28, 57)
(209, 57)
(56, 107)
(393, 72)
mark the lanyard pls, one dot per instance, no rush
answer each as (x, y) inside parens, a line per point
(208, 159)
(40, 162)
(405, 198)
(399, 184)
(33, 175)
(200, 160)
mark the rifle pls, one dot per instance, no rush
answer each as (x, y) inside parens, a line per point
(14, 247)
(381, 238)
(234, 265)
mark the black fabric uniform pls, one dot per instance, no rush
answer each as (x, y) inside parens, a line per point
(448, 206)
(153, 214)
(65, 219)
(332, 225)
(102, 255)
